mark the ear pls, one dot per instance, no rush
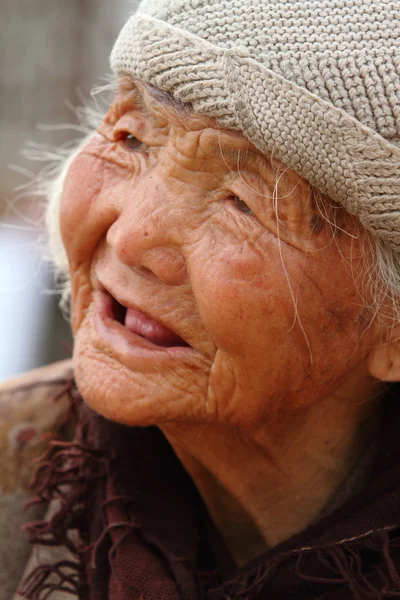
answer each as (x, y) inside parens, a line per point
(384, 359)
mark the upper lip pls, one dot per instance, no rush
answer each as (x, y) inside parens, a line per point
(129, 304)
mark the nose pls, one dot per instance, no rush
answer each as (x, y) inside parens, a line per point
(146, 235)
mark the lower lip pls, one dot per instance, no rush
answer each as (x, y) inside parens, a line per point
(113, 335)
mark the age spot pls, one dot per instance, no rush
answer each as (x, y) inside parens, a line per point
(317, 224)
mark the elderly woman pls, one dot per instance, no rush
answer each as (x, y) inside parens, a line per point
(231, 238)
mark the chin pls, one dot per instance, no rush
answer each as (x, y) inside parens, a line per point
(140, 395)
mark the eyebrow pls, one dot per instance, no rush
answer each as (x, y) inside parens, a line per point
(169, 100)
(235, 155)
(243, 158)
(128, 86)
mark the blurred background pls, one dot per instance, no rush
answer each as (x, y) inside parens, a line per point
(53, 52)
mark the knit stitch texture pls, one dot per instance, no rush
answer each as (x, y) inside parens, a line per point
(314, 83)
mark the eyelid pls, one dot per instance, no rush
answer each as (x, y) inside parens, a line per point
(250, 184)
(131, 122)
(140, 128)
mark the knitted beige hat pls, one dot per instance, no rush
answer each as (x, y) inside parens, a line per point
(315, 83)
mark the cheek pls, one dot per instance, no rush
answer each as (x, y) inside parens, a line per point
(302, 317)
(237, 295)
(85, 217)
(332, 309)
(87, 206)
(82, 188)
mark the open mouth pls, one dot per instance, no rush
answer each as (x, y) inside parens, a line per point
(139, 324)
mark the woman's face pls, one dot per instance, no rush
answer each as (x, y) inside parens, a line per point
(205, 284)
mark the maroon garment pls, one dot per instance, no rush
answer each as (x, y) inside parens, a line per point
(145, 533)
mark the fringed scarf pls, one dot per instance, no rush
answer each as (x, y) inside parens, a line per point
(136, 529)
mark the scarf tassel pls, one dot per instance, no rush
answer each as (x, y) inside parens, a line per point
(69, 473)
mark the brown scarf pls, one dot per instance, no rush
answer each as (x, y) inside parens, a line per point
(145, 534)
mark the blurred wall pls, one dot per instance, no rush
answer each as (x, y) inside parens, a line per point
(52, 52)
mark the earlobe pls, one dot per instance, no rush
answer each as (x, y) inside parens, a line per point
(384, 359)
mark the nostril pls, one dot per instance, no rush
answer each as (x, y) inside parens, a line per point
(147, 272)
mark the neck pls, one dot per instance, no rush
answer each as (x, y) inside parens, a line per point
(262, 487)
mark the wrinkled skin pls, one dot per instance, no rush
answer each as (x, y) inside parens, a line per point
(159, 227)
(180, 220)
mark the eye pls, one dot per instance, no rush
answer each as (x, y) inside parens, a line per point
(132, 143)
(241, 205)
